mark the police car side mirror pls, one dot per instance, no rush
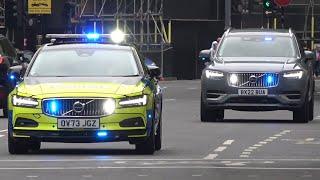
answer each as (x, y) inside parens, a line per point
(154, 71)
(15, 75)
(310, 55)
(204, 55)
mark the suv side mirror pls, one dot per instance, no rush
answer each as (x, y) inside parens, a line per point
(204, 55)
(154, 71)
(310, 55)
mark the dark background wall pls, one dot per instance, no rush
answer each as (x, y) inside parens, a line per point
(195, 25)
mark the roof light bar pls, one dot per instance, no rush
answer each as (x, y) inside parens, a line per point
(116, 36)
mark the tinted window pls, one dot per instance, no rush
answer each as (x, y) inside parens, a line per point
(84, 62)
(257, 46)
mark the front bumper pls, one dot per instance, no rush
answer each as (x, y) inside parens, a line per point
(288, 95)
(47, 130)
(80, 136)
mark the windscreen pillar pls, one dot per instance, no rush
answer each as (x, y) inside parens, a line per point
(227, 16)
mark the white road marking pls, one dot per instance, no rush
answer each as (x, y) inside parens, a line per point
(278, 135)
(210, 156)
(220, 149)
(228, 142)
(244, 156)
(252, 147)
(257, 145)
(246, 152)
(272, 137)
(263, 142)
(32, 176)
(269, 140)
(5, 130)
(160, 167)
(170, 100)
(309, 139)
(142, 175)
(286, 131)
(120, 162)
(196, 175)
(1, 135)
(192, 88)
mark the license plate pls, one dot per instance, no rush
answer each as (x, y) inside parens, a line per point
(253, 92)
(78, 123)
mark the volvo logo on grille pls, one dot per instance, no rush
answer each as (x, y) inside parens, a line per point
(78, 107)
(253, 79)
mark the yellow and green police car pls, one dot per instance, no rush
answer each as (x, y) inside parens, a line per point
(85, 92)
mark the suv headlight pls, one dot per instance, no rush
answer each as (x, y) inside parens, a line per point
(211, 74)
(24, 101)
(134, 101)
(293, 74)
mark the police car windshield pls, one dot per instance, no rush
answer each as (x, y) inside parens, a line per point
(84, 63)
(257, 46)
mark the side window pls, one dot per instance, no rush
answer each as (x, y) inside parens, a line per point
(142, 60)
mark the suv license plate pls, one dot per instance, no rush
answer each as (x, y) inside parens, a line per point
(78, 123)
(253, 92)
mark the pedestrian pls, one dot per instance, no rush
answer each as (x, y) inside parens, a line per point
(317, 62)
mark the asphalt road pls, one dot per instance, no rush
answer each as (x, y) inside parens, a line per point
(262, 145)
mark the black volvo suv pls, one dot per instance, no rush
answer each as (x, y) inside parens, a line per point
(257, 70)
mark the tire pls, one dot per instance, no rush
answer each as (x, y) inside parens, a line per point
(311, 108)
(158, 138)
(16, 147)
(22, 146)
(5, 112)
(148, 146)
(208, 115)
(301, 115)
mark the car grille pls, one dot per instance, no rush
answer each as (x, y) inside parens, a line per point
(65, 107)
(261, 80)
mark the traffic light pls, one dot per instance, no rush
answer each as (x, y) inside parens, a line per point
(11, 13)
(268, 5)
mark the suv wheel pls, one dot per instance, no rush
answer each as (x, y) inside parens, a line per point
(301, 115)
(148, 146)
(311, 109)
(208, 115)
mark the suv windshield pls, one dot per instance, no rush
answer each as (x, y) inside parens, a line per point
(257, 46)
(84, 63)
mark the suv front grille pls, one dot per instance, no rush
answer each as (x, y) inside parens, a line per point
(65, 107)
(248, 80)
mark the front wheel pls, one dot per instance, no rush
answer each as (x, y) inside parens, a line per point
(148, 146)
(311, 108)
(209, 115)
(301, 115)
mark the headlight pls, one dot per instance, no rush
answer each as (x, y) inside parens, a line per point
(135, 101)
(109, 106)
(233, 79)
(24, 101)
(210, 74)
(293, 75)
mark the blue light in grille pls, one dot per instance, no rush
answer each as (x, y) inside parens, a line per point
(53, 106)
(271, 80)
